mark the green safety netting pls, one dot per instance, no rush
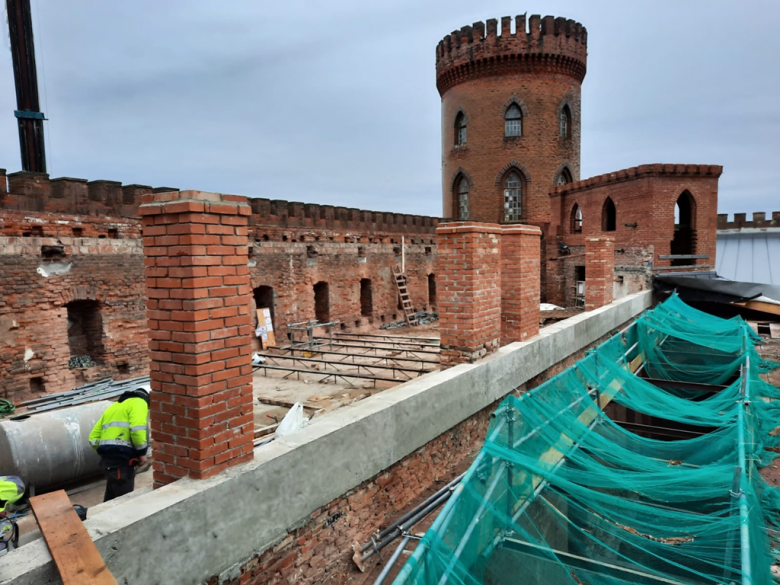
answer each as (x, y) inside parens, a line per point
(562, 494)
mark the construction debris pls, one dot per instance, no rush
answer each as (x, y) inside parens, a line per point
(100, 390)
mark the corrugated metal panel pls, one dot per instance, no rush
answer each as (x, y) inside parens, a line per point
(749, 256)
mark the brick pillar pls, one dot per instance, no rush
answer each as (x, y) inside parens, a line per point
(468, 290)
(197, 287)
(599, 271)
(520, 273)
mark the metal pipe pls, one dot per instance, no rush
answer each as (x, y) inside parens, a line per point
(744, 527)
(393, 559)
(449, 487)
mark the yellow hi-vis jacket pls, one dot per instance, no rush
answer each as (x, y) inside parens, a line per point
(11, 490)
(122, 432)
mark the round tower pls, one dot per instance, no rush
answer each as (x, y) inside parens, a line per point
(510, 116)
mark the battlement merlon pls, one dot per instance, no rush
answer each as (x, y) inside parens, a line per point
(560, 42)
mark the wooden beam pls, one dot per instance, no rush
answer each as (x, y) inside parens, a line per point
(76, 556)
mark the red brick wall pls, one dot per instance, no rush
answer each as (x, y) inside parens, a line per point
(197, 283)
(644, 199)
(519, 283)
(105, 272)
(103, 247)
(599, 271)
(469, 287)
(479, 73)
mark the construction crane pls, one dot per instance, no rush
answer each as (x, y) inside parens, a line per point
(28, 114)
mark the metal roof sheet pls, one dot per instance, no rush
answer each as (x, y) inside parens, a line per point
(749, 256)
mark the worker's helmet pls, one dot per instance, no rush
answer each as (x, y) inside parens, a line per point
(140, 392)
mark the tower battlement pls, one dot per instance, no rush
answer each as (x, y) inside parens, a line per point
(537, 45)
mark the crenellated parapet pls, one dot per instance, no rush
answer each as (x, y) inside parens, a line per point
(33, 202)
(760, 221)
(537, 45)
(633, 173)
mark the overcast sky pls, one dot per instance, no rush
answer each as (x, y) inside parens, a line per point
(335, 101)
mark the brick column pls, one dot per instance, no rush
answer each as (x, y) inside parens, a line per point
(520, 273)
(468, 289)
(197, 287)
(599, 271)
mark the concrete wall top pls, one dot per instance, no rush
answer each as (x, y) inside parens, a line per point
(190, 530)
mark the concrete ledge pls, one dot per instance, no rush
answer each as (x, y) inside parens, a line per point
(191, 530)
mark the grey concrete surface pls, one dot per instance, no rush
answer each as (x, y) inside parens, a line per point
(191, 530)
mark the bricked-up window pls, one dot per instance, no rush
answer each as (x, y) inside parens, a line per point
(576, 219)
(608, 216)
(462, 192)
(564, 177)
(85, 329)
(432, 290)
(513, 121)
(513, 198)
(565, 122)
(460, 129)
(366, 298)
(264, 299)
(322, 302)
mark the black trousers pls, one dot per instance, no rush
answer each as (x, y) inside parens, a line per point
(120, 479)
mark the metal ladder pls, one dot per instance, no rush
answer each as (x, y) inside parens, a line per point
(403, 293)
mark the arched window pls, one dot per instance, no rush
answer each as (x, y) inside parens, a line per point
(684, 240)
(576, 219)
(513, 121)
(513, 198)
(462, 193)
(608, 216)
(460, 129)
(563, 177)
(565, 122)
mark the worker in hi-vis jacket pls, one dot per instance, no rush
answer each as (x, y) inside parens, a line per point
(121, 438)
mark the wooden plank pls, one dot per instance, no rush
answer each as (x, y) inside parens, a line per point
(770, 308)
(774, 330)
(267, 430)
(76, 556)
(287, 404)
(754, 326)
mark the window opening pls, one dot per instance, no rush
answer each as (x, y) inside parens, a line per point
(563, 177)
(608, 216)
(322, 302)
(565, 122)
(463, 198)
(366, 298)
(513, 121)
(576, 219)
(513, 193)
(264, 299)
(684, 240)
(85, 330)
(432, 290)
(460, 129)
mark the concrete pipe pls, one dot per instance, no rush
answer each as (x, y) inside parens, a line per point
(51, 448)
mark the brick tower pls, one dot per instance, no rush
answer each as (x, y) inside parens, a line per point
(510, 116)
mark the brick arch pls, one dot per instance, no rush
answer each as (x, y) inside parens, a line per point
(461, 110)
(461, 172)
(83, 293)
(572, 210)
(564, 102)
(677, 195)
(514, 100)
(561, 167)
(507, 168)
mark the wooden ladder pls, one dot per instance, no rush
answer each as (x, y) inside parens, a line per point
(403, 293)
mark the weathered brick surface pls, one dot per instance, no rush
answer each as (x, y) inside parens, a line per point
(599, 271)
(759, 221)
(519, 283)
(197, 287)
(320, 550)
(292, 246)
(480, 73)
(48, 261)
(469, 287)
(644, 199)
